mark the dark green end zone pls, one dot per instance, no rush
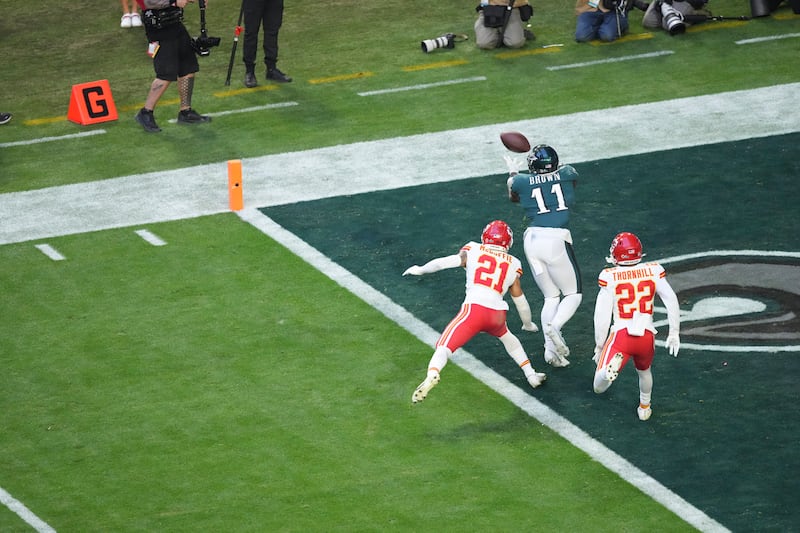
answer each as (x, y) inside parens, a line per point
(723, 434)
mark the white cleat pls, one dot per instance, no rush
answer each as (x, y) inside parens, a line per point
(553, 359)
(613, 366)
(555, 335)
(536, 379)
(424, 388)
(644, 412)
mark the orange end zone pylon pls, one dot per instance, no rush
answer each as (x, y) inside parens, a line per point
(235, 196)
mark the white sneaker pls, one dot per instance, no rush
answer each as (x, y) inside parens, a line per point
(613, 366)
(536, 379)
(136, 20)
(126, 21)
(553, 359)
(424, 388)
(644, 412)
(555, 335)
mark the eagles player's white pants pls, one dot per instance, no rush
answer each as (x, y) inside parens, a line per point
(555, 270)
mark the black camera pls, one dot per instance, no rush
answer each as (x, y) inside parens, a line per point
(203, 44)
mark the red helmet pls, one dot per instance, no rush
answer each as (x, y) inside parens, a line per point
(498, 233)
(626, 249)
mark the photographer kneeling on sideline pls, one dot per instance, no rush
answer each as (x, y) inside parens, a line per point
(606, 20)
(671, 15)
(500, 23)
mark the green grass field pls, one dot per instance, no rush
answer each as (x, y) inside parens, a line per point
(221, 383)
(204, 386)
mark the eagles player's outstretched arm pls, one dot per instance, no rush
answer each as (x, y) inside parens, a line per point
(512, 195)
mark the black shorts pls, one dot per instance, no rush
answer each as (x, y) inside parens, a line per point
(176, 57)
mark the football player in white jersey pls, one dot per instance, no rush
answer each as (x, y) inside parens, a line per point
(490, 272)
(547, 194)
(627, 291)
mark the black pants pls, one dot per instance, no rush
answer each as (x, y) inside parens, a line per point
(258, 13)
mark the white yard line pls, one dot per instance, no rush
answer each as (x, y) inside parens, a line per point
(422, 86)
(50, 252)
(150, 237)
(611, 60)
(23, 512)
(767, 39)
(39, 140)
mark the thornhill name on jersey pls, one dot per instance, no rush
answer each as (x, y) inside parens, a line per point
(643, 271)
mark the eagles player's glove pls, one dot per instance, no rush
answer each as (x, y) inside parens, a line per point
(513, 165)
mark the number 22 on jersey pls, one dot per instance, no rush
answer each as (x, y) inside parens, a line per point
(637, 297)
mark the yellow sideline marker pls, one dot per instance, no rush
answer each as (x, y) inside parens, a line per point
(439, 64)
(246, 90)
(715, 25)
(628, 37)
(535, 51)
(235, 197)
(341, 77)
(62, 118)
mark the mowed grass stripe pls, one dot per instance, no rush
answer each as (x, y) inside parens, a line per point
(223, 384)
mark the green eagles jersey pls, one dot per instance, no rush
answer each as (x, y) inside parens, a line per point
(547, 198)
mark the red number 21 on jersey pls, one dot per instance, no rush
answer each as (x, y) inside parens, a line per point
(491, 272)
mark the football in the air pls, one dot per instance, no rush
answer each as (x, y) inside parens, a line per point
(515, 141)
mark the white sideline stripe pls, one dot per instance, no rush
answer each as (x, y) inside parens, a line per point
(423, 86)
(483, 373)
(245, 110)
(48, 139)
(770, 38)
(150, 237)
(23, 512)
(611, 60)
(142, 199)
(50, 252)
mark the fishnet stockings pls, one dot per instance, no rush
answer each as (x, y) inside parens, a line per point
(185, 89)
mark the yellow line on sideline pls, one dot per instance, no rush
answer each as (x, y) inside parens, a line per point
(40, 121)
(715, 25)
(237, 92)
(439, 64)
(52, 120)
(535, 51)
(625, 38)
(341, 77)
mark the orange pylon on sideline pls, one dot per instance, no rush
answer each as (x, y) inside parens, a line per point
(235, 196)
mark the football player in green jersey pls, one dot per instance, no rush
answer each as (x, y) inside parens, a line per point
(547, 194)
